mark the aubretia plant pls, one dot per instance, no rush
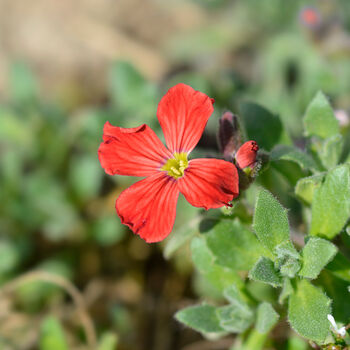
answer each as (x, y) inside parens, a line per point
(258, 264)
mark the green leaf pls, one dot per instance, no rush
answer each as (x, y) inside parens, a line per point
(296, 343)
(331, 203)
(340, 267)
(9, 257)
(264, 271)
(132, 94)
(180, 236)
(287, 259)
(270, 221)
(23, 85)
(319, 119)
(338, 291)
(287, 290)
(85, 187)
(267, 317)
(219, 276)
(235, 318)
(261, 125)
(286, 250)
(52, 336)
(107, 230)
(233, 245)
(305, 187)
(108, 341)
(290, 267)
(316, 254)
(234, 295)
(331, 151)
(308, 310)
(261, 291)
(290, 153)
(203, 318)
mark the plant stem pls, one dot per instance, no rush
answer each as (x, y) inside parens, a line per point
(255, 340)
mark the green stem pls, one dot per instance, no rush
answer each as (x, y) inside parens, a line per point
(255, 340)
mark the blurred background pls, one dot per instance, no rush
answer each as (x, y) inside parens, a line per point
(66, 67)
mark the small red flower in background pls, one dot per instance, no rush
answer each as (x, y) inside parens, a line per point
(246, 154)
(149, 206)
(310, 17)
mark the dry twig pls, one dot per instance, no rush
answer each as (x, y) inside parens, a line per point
(69, 288)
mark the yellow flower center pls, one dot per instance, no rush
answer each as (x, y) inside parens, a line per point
(177, 165)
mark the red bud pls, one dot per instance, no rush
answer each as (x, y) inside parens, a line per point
(246, 155)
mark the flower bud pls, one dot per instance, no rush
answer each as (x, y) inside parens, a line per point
(310, 17)
(229, 135)
(246, 155)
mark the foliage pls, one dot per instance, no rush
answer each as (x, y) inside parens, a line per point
(274, 259)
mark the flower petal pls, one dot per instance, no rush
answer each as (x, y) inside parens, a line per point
(183, 113)
(209, 183)
(133, 151)
(149, 207)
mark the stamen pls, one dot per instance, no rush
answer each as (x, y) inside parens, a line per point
(174, 170)
(175, 167)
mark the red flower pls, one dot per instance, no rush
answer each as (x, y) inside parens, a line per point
(246, 154)
(310, 17)
(149, 206)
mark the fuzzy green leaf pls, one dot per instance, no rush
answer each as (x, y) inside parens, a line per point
(235, 318)
(286, 250)
(331, 203)
(290, 153)
(233, 245)
(203, 318)
(234, 295)
(264, 271)
(331, 151)
(308, 310)
(267, 317)
(270, 221)
(319, 119)
(305, 187)
(290, 267)
(219, 276)
(316, 254)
